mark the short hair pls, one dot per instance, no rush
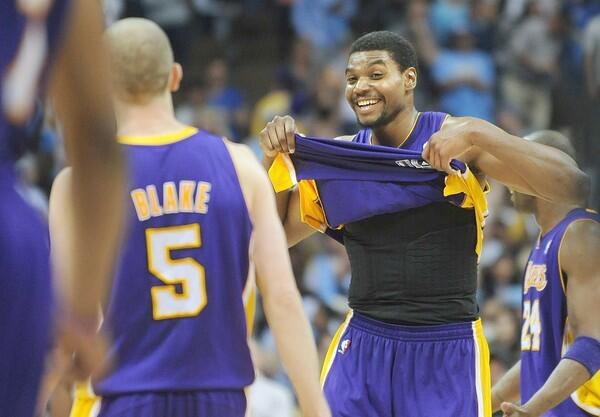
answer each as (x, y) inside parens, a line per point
(553, 139)
(141, 57)
(399, 48)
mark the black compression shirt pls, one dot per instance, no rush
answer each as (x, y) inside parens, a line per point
(415, 267)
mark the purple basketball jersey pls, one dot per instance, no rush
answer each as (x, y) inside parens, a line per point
(427, 123)
(176, 311)
(545, 335)
(26, 48)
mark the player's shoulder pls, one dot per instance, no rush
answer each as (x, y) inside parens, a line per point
(581, 241)
(243, 158)
(458, 121)
(251, 175)
(583, 231)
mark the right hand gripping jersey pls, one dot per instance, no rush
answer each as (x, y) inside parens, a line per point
(177, 309)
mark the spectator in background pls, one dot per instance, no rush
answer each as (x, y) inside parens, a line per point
(327, 275)
(222, 96)
(194, 99)
(296, 74)
(267, 397)
(484, 15)
(465, 77)
(175, 18)
(325, 23)
(323, 119)
(445, 15)
(530, 68)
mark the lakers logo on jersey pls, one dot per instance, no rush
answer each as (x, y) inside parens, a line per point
(535, 277)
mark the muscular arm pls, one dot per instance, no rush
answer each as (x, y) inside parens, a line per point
(281, 299)
(80, 91)
(507, 388)
(525, 166)
(579, 261)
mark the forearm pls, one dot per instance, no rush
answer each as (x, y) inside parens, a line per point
(294, 339)
(507, 388)
(566, 378)
(549, 172)
(98, 205)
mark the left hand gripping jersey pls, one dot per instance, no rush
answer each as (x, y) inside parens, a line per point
(545, 335)
(177, 307)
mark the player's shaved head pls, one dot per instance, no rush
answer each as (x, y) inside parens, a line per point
(141, 58)
(554, 139)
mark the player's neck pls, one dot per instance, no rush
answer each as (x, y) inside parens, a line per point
(397, 131)
(149, 118)
(548, 215)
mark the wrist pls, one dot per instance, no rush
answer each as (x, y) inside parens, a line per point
(81, 322)
(586, 351)
(474, 131)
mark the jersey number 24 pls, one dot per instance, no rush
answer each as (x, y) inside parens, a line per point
(532, 326)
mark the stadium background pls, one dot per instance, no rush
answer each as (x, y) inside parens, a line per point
(524, 65)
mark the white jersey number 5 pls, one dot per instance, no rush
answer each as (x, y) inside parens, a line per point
(167, 301)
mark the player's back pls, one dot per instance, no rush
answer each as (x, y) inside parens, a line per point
(545, 333)
(177, 307)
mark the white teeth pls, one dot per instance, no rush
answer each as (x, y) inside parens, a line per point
(367, 102)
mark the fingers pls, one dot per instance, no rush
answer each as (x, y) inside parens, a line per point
(290, 130)
(436, 152)
(278, 136)
(509, 409)
(431, 153)
(85, 348)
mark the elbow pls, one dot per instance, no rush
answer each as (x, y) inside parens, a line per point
(581, 187)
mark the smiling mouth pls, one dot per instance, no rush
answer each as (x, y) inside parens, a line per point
(366, 104)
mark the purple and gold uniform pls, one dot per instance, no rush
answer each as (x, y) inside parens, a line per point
(413, 344)
(545, 335)
(26, 46)
(183, 285)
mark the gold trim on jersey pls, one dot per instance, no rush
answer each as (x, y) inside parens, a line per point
(85, 403)
(483, 380)
(154, 140)
(249, 292)
(409, 132)
(333, 348)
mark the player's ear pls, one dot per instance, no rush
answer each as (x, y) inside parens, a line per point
(410, 78)
(175, 78)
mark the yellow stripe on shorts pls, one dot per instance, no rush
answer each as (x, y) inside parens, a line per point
(331, 352)
(482, 371)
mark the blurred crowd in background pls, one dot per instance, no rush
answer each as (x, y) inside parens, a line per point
(522, 64)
